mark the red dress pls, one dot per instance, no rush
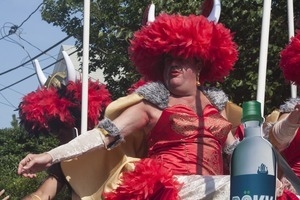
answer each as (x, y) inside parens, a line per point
(181, 143)
(292, 154)
(189, 144)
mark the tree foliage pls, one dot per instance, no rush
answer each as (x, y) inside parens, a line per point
(112, 24)
(15, 144)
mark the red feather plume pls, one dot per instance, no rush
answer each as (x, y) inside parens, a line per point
(290, 60)
(43, 106)
(49, 109)
(149, 181)
(98, 98)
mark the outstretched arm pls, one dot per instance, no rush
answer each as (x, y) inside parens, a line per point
(285, 129)
(231, 141)
(132, 119)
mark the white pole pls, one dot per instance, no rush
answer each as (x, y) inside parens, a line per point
(85, 65)
(264, 41)
(291, 34)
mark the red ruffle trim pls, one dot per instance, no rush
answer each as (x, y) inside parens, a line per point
(149, 181)
(98, 99)
(290, 60)
(288, 195)
(40, 108)
(50, 109)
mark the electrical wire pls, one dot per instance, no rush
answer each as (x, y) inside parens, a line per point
(34, 73)
(7, 30)
(14, 28)
(14, 68)
(35, 47)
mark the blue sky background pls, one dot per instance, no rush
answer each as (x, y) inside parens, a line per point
(32, 38)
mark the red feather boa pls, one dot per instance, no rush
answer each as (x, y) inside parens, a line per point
(290, 60)
(49, 109)
(287, 195)
(149, 181)
(98, 99)
(38, 108)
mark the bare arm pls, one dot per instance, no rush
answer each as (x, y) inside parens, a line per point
(133, 118)
(230, 144)
(230, 138)
(285, 128)
(48, 190)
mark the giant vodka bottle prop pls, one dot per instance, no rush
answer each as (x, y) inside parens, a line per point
(253, 164)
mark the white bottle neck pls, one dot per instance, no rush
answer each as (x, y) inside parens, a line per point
(251, 124)
(252, 128)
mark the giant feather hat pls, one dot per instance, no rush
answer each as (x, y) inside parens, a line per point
(290, 60)
(185, 37)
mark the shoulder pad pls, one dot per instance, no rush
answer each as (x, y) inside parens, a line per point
(156, 93)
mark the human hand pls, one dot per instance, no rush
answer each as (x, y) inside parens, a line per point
(1, 193)
(294, 116)
(33, 163)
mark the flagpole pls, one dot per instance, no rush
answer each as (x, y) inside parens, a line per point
(85, 65)
(291, 29)
(264, 41)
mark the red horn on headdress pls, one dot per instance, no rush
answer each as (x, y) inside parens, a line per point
(40, 74)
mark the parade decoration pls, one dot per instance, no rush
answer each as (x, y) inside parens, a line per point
(55, 105)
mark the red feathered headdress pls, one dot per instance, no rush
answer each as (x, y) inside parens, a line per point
(49, 109)
(290, 60)
(98, 99)
(186, 37)
(40, 108)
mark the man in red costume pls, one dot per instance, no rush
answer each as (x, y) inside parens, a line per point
(285, 133)
(182, 125)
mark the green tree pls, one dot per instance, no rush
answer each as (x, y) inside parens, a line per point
(113, 24)
(245, 20)
(14, 123)
(15, 144)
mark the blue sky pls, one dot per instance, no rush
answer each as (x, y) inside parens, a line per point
(31, 39)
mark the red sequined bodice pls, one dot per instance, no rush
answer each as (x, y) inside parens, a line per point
(187, 143)
(292, 154)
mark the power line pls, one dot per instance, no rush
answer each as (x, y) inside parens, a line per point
(34, 73)
(20, 93)
(6, 99)
(8, 105)
(34, 46)
(14, 28)
(5, 72)
(31, 15)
